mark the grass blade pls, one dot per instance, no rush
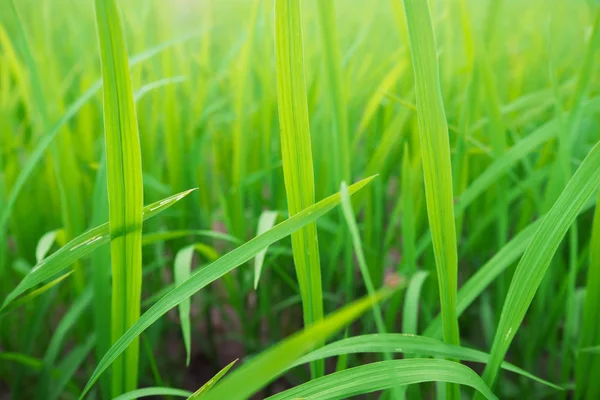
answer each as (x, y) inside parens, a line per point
(152, 391)
(437, 170)
(213, 381)
(265, 222)
(376, 376)
(297, 156)
(183, 268)
(409, 344)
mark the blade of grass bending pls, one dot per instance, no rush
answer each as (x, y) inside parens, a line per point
(376, 376)
(125, 189)
(79, 247)
(362, 264)
(297, 156)
(182, 271)
(265, 222)
(364, 269)
(588, 365)
(409, 344)
(262, 369)
(534, 263)
(437, 170)
(152, 391)
(214, 271)
(44, 245)
(212, 382)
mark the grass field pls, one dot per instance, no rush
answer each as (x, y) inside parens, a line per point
(299, 199)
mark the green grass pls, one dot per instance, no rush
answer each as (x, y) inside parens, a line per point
(208, 143)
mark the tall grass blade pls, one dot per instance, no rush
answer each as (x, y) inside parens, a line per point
(212, 382)
(437, 171)
(297, 156)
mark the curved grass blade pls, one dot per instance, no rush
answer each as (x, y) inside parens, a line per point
(154, 237)
(437, 170)
(213, 381)
(214, 271)
(265, 222)
(297, 156)
(410, 316)
(262, 369)
(182, 271)
(376, 376)
(152, 391)
(588, 365)
(45, 243)
(125, 189)
(409, 344)
(536, 260)
(79, 247)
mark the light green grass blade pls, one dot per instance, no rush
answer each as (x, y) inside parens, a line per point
(155, 237)
(125, 189)
(214, 271)
(410, 316)
(534, 263)
(588, 365)
(376, 376)
(262, 369)
(34, 294)
(79, 247)
(182, 271)
(360, 255)
(265, 222)
(435, 150)
(152, 391)
(45, 244)
(409, 344)
(212, 382)
(297, 156)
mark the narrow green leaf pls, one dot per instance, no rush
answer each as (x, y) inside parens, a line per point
(182, 271)
(44, 245)
(435, 150)
(376, 376)
(125, 189)
(297, 156)
(265, 222)
(214, 271)
(409, 344)
(212, 382)
(152, 391)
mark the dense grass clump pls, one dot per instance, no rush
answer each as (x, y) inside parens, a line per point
(288, 199)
